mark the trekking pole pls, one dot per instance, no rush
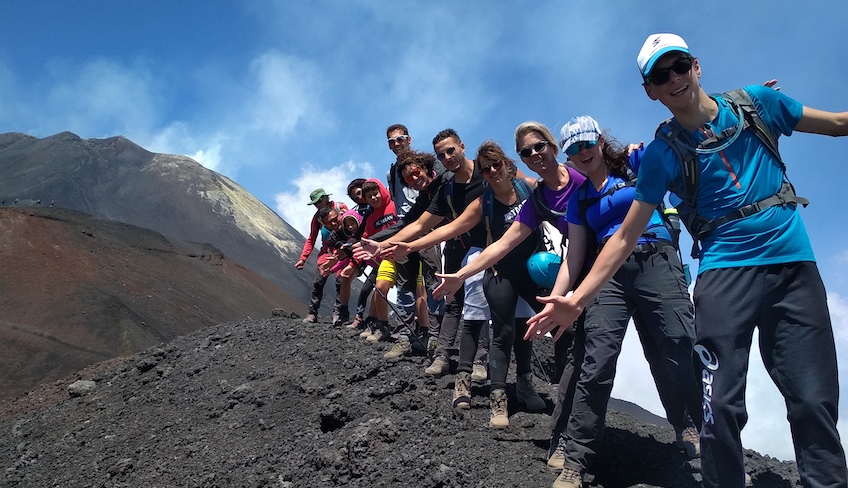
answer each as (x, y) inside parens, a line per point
(412, 332)
(542, 367)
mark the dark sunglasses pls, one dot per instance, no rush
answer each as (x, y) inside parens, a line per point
(398, 139)
(528, 151)
(575, 148)
(448, 152)
(661, 76)
(413, 173)
(496, 165)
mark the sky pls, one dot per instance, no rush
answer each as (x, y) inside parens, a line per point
(287, 97)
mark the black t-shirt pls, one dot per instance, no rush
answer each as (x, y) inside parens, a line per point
(502, 218)
(462, 196)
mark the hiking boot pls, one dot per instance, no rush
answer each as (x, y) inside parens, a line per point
(401, 348)
(557, 460)
(479, 373)
(568, 478)
(748, 480)
(379, 333)
(462, 391)
(310, 318)
(498, 418)
(527, 394)
(688, 440)
(438, 367)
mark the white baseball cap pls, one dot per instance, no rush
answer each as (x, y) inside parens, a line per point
(655, 46)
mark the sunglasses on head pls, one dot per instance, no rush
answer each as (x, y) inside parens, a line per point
(575, 148)
(398, 139)
(448, 152)
(412, 174)
(496, 165)
(661, 76)
(528, 151)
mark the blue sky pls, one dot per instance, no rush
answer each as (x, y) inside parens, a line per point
(284, 97)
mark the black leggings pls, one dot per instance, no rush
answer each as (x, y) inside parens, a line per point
(502, 291)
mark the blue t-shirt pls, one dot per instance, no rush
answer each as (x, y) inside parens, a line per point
(606, 214)
(744, 173)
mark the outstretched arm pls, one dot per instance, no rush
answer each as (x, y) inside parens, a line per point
(513, 236)
(466, 221)
(816, 121)
(565, 310)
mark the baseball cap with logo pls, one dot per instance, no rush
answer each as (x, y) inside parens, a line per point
(317, 195)
(656, 45)
(581, 128)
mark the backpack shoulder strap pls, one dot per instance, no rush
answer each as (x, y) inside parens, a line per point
(448, 189)
(487, 199)
(754, 122)
(540, 205)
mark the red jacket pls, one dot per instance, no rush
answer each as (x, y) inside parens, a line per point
(382, 217)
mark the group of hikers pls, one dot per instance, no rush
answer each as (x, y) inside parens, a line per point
(461, 239)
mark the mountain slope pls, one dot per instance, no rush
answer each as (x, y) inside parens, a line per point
(174, 195)
(76, 290)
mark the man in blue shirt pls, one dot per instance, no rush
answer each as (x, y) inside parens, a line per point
(756, 271)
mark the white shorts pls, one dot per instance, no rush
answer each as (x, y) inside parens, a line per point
(476, 307)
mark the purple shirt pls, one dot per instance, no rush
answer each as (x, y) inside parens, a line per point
(555, 200)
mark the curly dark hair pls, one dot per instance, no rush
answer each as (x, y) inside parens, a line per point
(423, 159)
(616, 156)
(490, 152)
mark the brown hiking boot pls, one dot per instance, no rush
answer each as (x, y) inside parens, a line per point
(499, 418)
(689, 440)
(462, 391)
(401, 348)
(439, 367)
(568, 478)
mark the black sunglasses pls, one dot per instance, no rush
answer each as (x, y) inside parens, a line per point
(661, 76)
(449, 151)
(496, 165)
(529, 150)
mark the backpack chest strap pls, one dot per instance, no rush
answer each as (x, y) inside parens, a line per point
(786, 196)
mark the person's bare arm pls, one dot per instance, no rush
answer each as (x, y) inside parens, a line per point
(466, 221)
(816, 121)
(514, 235)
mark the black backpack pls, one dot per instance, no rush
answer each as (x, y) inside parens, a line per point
(687, 152)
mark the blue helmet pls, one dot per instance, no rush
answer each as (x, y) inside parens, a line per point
(543, 268)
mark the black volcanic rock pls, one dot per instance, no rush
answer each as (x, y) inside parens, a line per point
(116, 179)
(277, 403)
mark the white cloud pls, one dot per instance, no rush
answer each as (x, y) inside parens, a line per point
(101, 98)
(293, 206)
(287, 93)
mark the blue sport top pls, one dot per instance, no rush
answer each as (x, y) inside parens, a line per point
(606, 215)
(744, 173)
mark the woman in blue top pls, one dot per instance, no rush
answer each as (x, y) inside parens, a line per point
(649, 287)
